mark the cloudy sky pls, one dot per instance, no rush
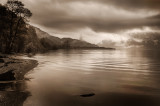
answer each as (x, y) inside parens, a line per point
(95, 20)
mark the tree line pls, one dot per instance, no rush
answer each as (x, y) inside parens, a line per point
(13, 25)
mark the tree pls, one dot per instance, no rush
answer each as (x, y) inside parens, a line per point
(17, 16)
(4, 27)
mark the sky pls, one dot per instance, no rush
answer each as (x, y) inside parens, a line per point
(95, 20)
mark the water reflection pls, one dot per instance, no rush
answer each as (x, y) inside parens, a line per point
(12, 93)
(116, 78)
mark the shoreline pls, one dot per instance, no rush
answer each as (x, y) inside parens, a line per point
(15, 69)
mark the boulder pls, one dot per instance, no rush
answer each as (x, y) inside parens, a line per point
(1, 61)
(7, 76)
(87, 95)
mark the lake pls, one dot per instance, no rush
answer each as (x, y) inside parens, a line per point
(128, 77)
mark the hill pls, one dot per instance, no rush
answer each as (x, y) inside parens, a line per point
(52, 42)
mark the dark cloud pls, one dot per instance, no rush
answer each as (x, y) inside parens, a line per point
(135, 4)
(68, 15)
(70, 23)
(98, 15)
(127, 4)
(155, 17)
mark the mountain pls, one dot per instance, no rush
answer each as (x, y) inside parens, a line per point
(51, 42)
(74, 43)
(41, 34)
(48, 41)
(31, 41)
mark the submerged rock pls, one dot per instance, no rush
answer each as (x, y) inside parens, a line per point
(87, 95)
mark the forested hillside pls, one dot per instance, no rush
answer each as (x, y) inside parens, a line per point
(27, 38)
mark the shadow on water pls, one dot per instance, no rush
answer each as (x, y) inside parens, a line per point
(13, 94)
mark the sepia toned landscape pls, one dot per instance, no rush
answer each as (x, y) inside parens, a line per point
(79, 53)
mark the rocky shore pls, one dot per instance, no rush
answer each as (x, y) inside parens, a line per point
(15, 69)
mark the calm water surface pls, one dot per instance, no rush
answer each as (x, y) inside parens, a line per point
(116, 77)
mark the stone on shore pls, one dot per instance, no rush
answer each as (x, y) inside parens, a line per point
(15, 69)
(1, 61)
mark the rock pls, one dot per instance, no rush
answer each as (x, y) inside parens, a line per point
(15, 69)
(10, 62)
(87, 95)
(8, 76)
(30, 55)
(3, 56)
(28, 79)
(1, 61)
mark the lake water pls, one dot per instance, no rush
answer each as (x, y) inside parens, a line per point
(105, 77)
